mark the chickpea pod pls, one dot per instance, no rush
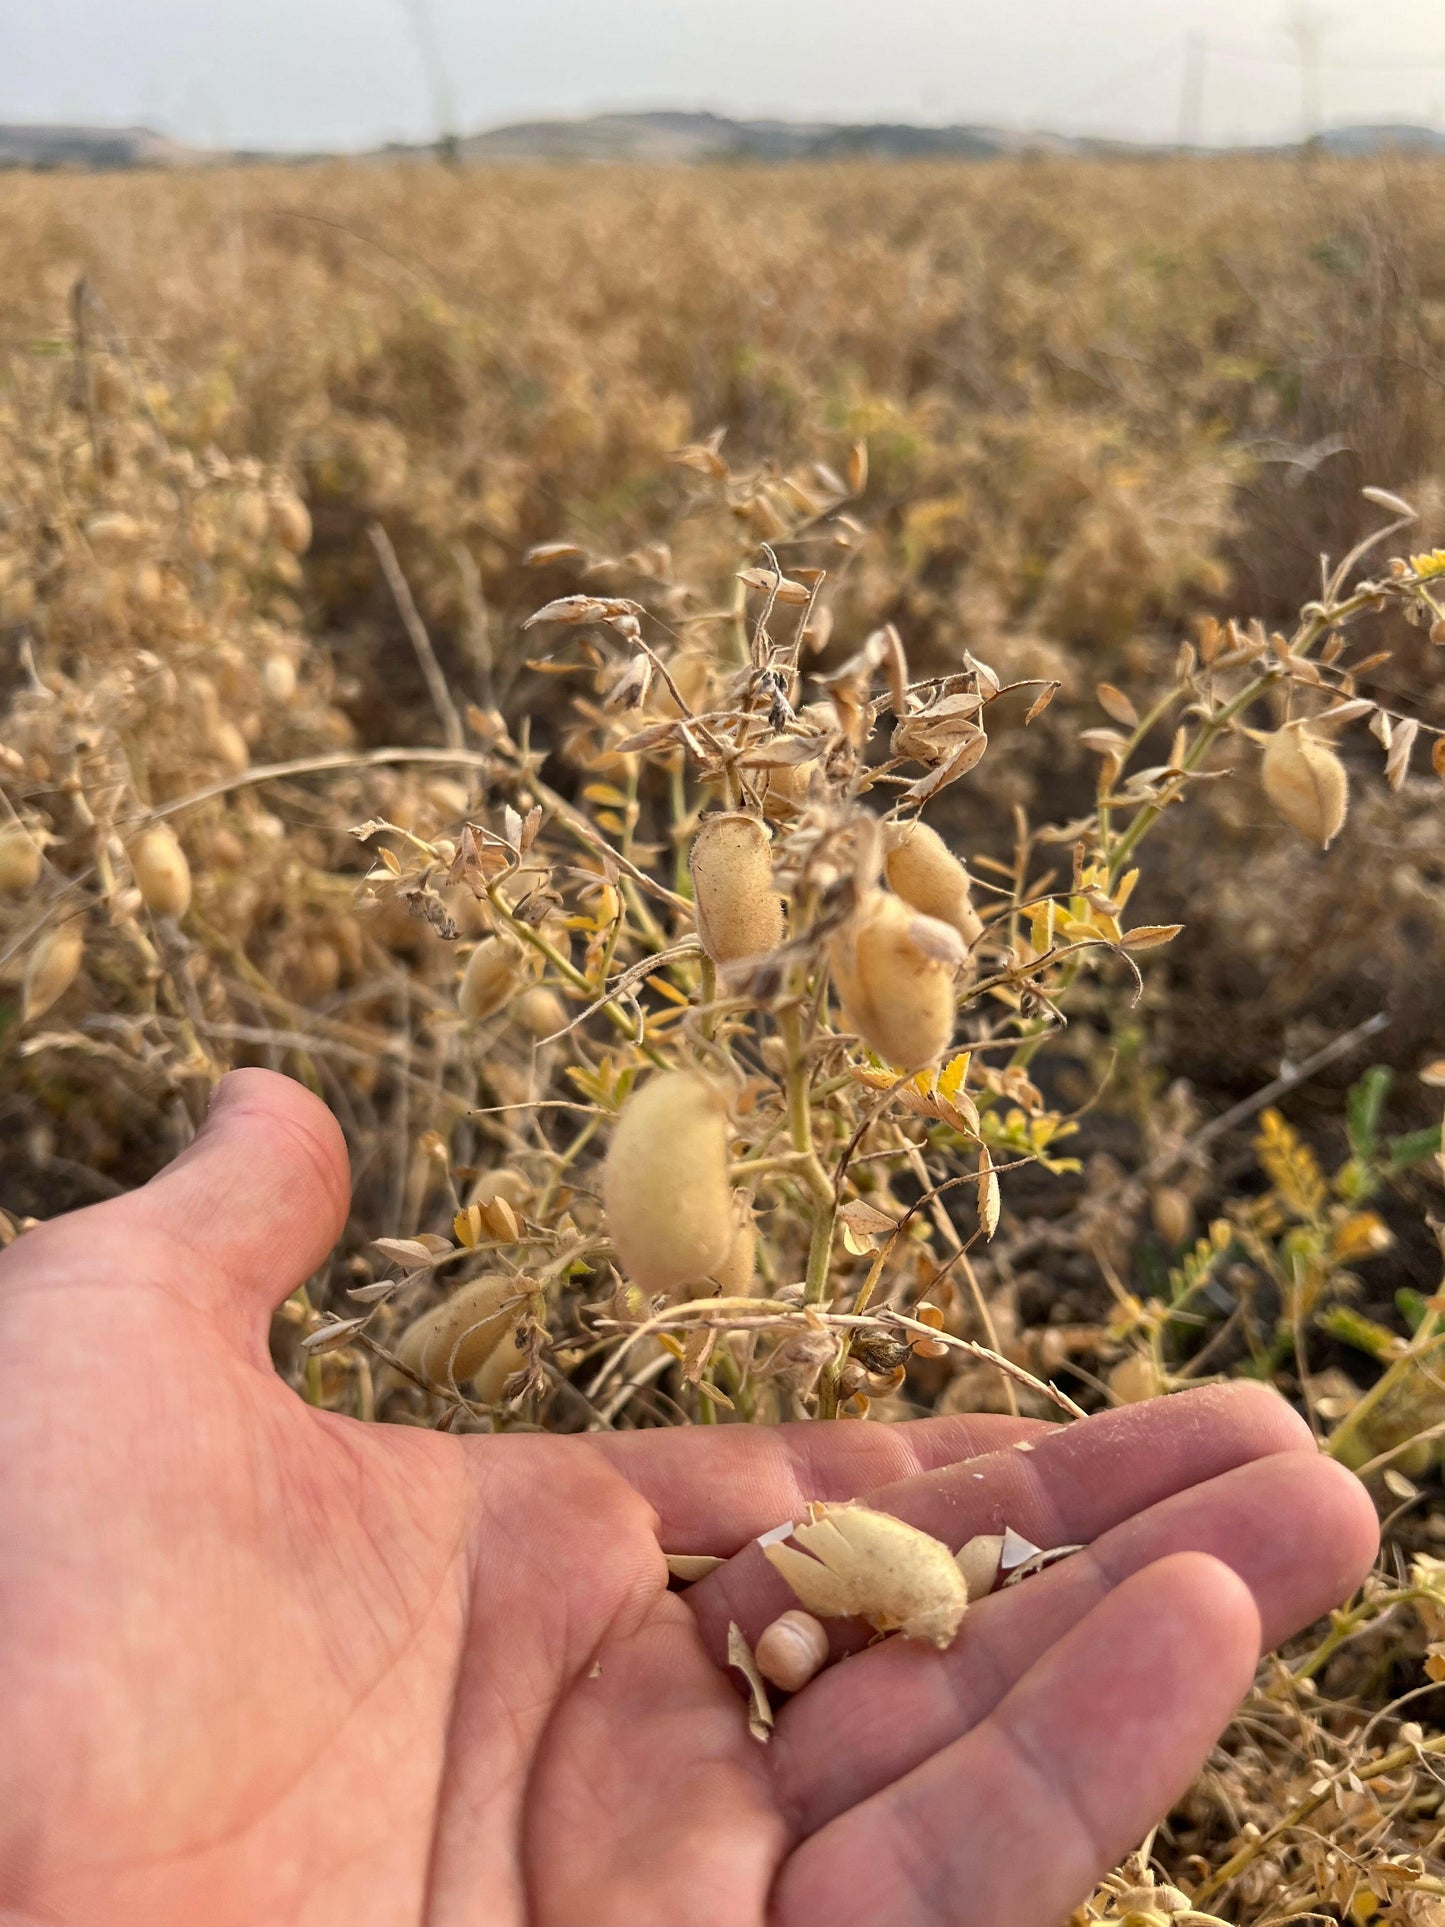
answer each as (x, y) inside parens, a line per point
(739, 912)
(665, 1191)
(923, 871)
(894, 971)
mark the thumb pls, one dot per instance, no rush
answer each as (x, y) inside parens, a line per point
(257, 1200)
(231, 1227)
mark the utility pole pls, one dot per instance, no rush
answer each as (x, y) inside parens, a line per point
(1306, 28)
(1191, 98)
(428, 46)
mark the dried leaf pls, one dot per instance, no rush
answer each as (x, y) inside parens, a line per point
(1117, 705)
(330, 1338)
(1149, 936)
(410, 1253)
(866, 1219)
(1397, 763)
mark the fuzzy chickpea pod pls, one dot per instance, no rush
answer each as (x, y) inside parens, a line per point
(668, 1206)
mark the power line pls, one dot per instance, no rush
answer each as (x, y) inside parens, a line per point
(1242, 50)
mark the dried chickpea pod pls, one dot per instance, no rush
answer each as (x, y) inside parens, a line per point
(869, 1565)
(249, 512)
(739, 912)
(541, 1012)
(490, 1382)
(1307, 784)
(784, 787)
(452, 798)
(456, 1338)
(511, 1185)
(665, 1193)
(278, 676)
(793, 1650)
(1135, 1379)
(926, 874)
(290, 522)
(1172, 1213)
(19, 861)
(228, 746)
(162, 873)
(895, 970)
(113, 532)
(52, 968)
(735, 1275)
(491, 978)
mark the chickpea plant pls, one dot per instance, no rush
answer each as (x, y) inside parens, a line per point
(799, 1035)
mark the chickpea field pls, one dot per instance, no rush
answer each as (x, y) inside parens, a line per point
(836, 773)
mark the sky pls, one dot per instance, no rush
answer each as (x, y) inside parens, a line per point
(348, 74)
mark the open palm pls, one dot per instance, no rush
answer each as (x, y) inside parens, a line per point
(260, 1664)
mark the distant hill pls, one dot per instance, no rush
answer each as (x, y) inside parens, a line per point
(710, 137)
(673, 137)
(22, 145)
(1403, 138)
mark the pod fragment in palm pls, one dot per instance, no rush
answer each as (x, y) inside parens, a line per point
(857, 1563)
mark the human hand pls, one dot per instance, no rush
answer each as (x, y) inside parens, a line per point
(260, 1663)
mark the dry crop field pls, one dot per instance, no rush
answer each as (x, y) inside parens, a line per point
(396, 564)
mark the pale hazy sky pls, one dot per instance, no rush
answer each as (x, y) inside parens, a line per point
(347, 73)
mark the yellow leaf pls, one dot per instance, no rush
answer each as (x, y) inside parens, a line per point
(1361, 1235)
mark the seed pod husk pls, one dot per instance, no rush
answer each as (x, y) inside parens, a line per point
(793, 1650)
(1307, 783)
(665, 1191)
(52, 968)
(926, 874)
(491, 978)
(739, 912)
(895, 970)
(162, 873)
(19, 861)
(869, 1565)
(454, 1340)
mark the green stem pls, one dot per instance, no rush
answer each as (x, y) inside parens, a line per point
(1428, 1336)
